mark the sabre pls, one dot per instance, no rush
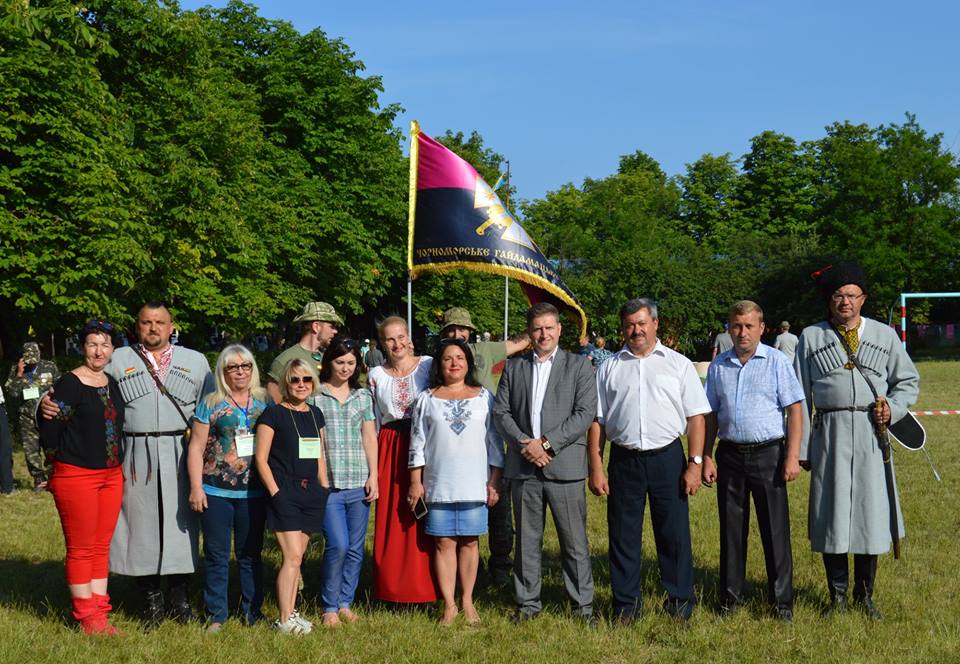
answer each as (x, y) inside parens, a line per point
(883, 440)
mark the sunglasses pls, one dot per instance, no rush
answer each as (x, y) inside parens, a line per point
(239, 368)
(452, 341)
(296, 380)
(93, 323)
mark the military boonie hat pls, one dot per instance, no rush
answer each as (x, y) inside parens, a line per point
(31, 352)
(319, 311)
(457, 316)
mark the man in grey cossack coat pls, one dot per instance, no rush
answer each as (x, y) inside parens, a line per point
(849, 508)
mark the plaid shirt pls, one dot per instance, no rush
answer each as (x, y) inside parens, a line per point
(346, 460)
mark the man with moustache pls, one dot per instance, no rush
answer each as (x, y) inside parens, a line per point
(545, 402)
(648, 396)
(319, 324)
(749, 387)
(156, 538)
(457, 324)
(850, 507)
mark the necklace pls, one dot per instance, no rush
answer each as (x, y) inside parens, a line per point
(399, 372)
(290, 406)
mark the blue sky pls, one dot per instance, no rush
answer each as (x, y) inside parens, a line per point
(563, 89)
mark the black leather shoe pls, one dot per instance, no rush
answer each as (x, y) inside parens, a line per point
(522, 616)
(152, 610)
(784, 613)
(590, 621)
(838, 604)
(869, 609)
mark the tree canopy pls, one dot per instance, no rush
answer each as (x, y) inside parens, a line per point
(236, 168)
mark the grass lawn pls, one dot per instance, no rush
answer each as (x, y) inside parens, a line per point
(919, 594)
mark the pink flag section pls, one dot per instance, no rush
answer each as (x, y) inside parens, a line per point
(440, 168)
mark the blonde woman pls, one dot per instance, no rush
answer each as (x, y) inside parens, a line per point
(224, 486)
(401, 548)
(289, 453)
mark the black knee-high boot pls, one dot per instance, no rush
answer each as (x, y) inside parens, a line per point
(152, 601)
(864, 573)
(178, 593)
(838, 577)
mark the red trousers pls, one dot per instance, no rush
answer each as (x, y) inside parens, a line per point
(88, 501)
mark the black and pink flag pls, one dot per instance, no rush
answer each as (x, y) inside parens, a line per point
(458, 221)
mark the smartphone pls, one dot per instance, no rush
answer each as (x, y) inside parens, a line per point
(419, 509)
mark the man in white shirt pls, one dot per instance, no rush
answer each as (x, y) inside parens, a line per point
(786, 342)
(546, 400)
(649, 395)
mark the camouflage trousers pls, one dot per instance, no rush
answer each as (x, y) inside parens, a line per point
(30, 438)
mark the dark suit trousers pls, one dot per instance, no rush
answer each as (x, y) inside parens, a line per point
(633, 477)
(743, 472)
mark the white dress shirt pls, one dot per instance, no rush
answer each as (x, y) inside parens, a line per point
(541, 376)
(644, 402)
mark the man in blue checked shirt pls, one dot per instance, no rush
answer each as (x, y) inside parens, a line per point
(749, 388)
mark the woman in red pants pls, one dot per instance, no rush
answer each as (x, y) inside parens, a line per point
(87, 482)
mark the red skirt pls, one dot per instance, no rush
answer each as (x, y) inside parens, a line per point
(401, 549)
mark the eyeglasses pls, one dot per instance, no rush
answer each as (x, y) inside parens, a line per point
(843, 297)
(296, 380)
(238, 368)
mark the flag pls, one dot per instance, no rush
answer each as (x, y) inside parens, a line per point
(456, 220)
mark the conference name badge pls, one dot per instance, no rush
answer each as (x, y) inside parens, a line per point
(243, 443)
(309, 448)
(31, 393)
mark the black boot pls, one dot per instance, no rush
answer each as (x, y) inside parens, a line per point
(838, 577)
(152, 601)
(178, 594)
(864, 572)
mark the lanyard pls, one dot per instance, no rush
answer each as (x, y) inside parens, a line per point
(30, 374)
(310, 410)
(245, 411)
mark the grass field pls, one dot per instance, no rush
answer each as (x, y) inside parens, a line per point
(919, 594)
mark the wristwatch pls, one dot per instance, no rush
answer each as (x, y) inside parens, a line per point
(695, 459)
(547, 447)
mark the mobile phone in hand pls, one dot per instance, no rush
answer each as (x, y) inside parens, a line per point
(419, 509)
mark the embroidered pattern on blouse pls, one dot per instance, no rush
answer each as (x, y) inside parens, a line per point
(111, 435)
(457, 414)
(403, 395)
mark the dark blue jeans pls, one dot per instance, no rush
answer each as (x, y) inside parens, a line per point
(244, 519)
(344, 532)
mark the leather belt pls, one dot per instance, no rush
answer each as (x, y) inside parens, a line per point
(153, 434)
(749, 447)
(846, 409)
(646, 453)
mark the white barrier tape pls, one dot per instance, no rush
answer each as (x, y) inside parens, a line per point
(936, 412)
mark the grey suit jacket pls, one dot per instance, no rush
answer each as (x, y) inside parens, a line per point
(569, 406)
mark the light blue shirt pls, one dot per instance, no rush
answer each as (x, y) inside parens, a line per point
(749, 399)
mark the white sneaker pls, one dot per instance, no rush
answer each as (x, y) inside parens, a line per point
(303, 622)
(289, 627)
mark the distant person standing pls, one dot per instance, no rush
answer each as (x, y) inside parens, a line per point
(28, 380)
(373, 357)
(319, 323)
(786, 342)
(6, 452)
(722, 342)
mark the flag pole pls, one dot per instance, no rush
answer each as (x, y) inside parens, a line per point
(411, 216)
(506, 280)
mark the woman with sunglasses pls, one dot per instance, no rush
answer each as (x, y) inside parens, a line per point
(84, 440)
(351, 455)
(456, 460)
(401, 549)
(225, 489)
(289, 453)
